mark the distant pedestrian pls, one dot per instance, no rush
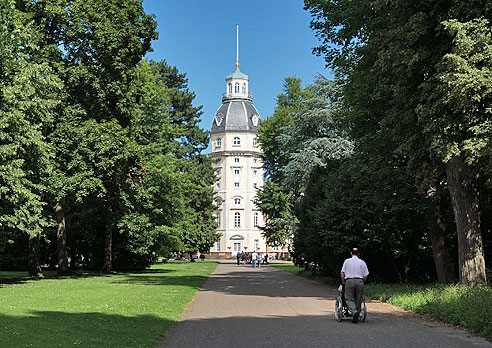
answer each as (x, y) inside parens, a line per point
(259, 260)
(238, 257)
(243, 257)
(254, 258)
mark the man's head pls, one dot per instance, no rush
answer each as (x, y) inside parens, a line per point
(355, 251)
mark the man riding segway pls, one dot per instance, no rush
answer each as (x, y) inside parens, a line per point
(354, 273)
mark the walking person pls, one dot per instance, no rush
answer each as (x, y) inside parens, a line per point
(254, 258)
(354, 273)
(265, 259)
(238, 257)
(259, 260)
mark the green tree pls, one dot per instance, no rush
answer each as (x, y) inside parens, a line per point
(274, 199)
(29, 96)
(275, 204)
(313, 136)
(456, 113)
(394, 52)
(178, 183)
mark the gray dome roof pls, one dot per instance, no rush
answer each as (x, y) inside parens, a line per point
(236, 115)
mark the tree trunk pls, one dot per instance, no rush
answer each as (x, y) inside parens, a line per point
(33, 265)
(61, 245)
(437, 226)
(108, 242)
(466, 206)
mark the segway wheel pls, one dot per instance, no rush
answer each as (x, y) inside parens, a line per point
(338, 309)
(363, 310)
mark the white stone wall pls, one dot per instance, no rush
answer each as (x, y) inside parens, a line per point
(239, 164)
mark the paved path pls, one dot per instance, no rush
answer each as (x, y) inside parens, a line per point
(239, 306)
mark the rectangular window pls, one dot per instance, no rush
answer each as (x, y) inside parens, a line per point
(217, 218)
(236, 171)
(237, 220)
(257, 244)
(237, 246)
(236, 159)
(217, 246)
(236, 185)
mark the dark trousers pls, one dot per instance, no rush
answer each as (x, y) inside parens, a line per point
(353, 294)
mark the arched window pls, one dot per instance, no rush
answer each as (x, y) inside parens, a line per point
(255, 219)
(237, 219)
(237, 201)
(218, 142)
(244, 88)
(237, 141)
(230, 88)
(236, 87)
(255, 142)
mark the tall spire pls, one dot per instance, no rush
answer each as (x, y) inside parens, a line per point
(237, 46)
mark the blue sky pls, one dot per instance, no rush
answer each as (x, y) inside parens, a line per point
(199, 38)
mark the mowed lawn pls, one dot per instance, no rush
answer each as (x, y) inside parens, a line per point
(94, 310)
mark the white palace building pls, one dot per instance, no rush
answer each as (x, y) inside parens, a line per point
(236, 159)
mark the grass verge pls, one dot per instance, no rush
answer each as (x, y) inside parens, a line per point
(94, 310)
(459, 305)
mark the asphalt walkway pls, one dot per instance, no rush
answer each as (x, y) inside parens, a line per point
(241, 306)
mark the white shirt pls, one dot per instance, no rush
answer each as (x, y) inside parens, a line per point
(355, 268)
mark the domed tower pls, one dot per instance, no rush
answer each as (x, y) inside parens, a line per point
(238, 167)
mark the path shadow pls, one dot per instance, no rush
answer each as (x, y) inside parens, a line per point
(315, 331)
(265, 281)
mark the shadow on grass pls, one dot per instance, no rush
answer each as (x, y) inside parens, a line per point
(10, 278)
(59, 329)
(193, 281)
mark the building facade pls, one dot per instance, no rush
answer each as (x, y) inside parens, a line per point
(236, 159)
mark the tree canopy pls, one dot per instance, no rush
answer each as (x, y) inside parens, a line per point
(100, 149)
